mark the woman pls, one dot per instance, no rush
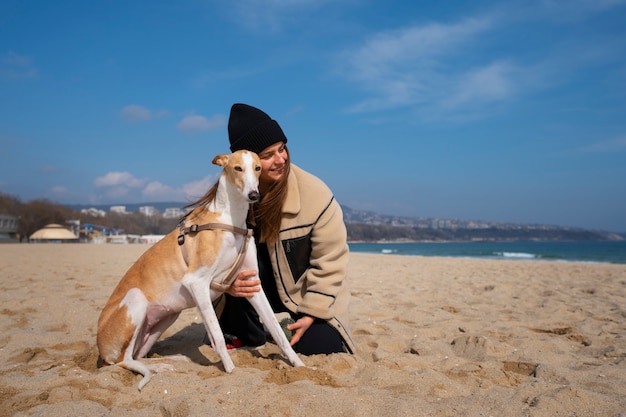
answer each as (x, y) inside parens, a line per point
(301, 245)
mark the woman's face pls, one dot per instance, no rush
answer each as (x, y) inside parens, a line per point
(273, 159)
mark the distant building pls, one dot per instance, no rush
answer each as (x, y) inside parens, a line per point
(173, 213)
(118, 209)
(150, 239)
(94, 212)
(148, 210)
(53, 233)
(74, 226)
(8, 226)
(119, 239)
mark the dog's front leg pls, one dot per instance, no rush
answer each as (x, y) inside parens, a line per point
(201, 294)
(262, 306)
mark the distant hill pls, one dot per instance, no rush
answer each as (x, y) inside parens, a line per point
(371, 226)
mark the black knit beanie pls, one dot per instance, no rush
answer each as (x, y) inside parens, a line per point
(252, 129)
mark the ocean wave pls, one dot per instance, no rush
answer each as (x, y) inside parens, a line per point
(517, 255)
(583, 251)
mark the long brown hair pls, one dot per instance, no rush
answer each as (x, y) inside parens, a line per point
(268, 212)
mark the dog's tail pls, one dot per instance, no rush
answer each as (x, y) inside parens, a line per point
(138, 367)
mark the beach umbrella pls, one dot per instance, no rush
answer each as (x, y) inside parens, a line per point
(53, 232)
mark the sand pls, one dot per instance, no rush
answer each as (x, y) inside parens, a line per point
(435, 336)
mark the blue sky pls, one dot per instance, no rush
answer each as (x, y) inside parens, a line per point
(505, 111)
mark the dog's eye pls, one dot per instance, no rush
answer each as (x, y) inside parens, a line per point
(257, 168)
(238, 168)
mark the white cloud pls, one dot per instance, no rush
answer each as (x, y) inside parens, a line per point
(118, 185)
(195, 123)
(460, 70)
(410, 65)
(415, 45)
(197, 189)
(114, 179)
(156, 191)
(135, 113)
(124, 186)
(491, 83)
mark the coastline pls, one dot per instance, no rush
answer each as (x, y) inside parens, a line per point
(612, 252)
(435, 337)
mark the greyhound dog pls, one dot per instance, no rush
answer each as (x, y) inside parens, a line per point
(191, 266)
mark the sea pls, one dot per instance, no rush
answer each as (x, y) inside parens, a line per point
(577, 251)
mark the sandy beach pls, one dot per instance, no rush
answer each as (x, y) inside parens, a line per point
(435, 337)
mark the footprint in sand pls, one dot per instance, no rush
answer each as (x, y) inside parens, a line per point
(471, 347)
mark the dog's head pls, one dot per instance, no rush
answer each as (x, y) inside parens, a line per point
(242, 169)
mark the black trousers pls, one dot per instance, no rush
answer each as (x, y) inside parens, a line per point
(240, 319)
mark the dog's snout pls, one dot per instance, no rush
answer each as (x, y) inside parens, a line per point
(254, 195)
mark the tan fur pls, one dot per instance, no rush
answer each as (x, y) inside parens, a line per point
(160, 284)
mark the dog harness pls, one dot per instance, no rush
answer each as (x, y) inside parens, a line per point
(195, 228)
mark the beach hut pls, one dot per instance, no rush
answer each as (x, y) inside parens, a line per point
(53, 233)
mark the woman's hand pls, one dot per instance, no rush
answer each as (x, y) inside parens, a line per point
(242, 286)
(299, 328)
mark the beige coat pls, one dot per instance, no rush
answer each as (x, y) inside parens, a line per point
(310, 259)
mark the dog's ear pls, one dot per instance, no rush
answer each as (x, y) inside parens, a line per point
(221, 160)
